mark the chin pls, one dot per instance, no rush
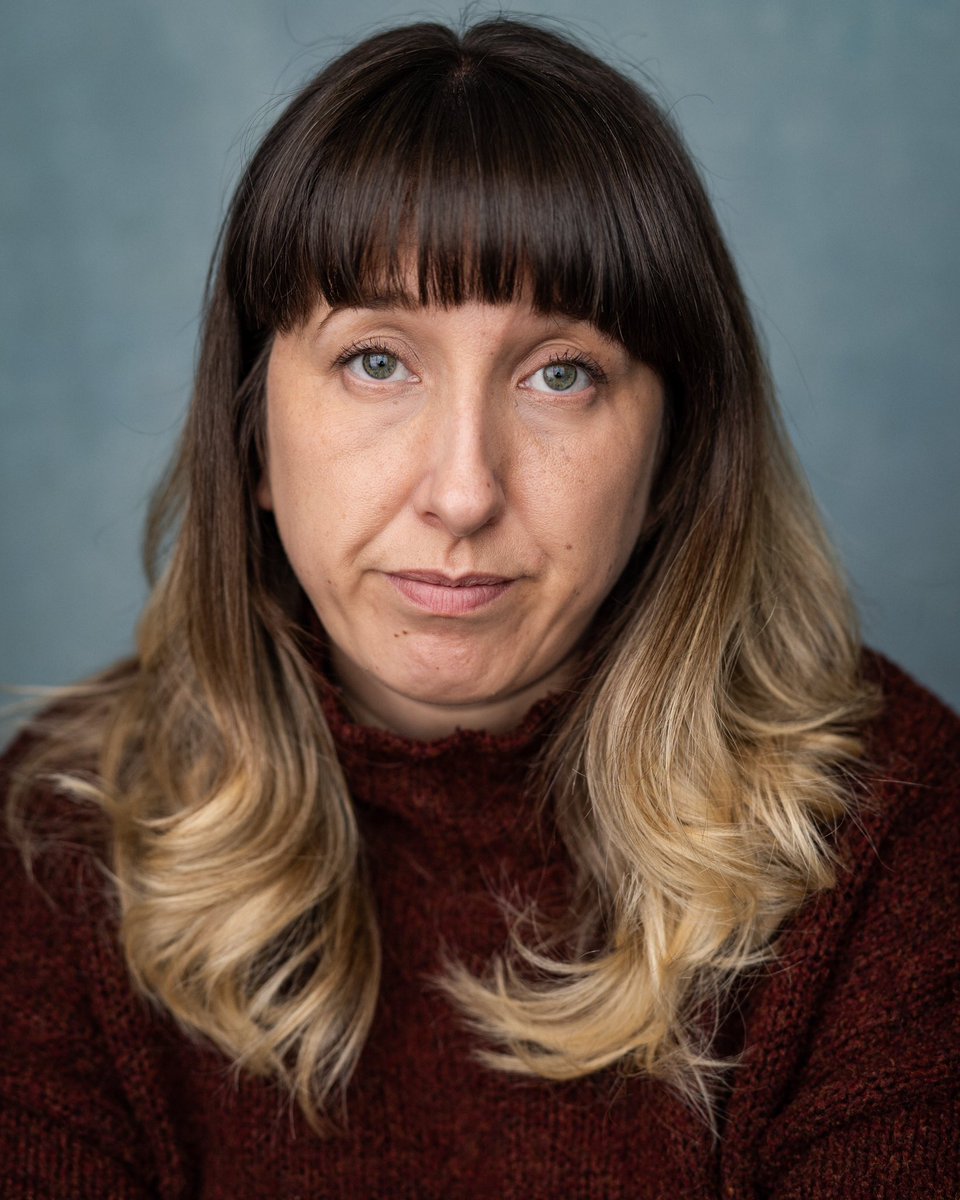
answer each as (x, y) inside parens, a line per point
(447, 689)
(448, 675)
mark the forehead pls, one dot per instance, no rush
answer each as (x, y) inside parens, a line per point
(498, 319)
(552, 178)
(409, 282)
(430, 228)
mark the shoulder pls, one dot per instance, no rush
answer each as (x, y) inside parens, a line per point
(80, 1069)
(54, 878)
(49, 774)
(899, 851)
(854, 1027)
(915, 738)
(58, 912)
(902, 839)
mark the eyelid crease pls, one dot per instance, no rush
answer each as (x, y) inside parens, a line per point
(377, 345)
(368, 346)
(577, 358)
(372, 346)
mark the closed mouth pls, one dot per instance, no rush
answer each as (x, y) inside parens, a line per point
(443, 595)
(439, 579)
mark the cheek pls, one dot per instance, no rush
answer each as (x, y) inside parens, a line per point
(332, 491)
(310, 471)
(595, 509)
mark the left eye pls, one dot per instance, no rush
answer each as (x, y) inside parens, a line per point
(569, 377)
(378, 364)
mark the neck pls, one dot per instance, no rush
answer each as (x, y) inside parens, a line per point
(371, 702)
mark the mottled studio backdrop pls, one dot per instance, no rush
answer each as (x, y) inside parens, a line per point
(828, 131)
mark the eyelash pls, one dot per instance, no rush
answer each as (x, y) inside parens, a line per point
(576, 358)
(364, 347)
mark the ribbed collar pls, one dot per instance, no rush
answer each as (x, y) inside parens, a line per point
(471, 787)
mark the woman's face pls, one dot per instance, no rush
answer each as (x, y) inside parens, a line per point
(457, 490)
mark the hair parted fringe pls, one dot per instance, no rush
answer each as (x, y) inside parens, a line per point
(700, 769)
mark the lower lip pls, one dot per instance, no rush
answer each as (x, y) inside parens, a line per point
(445, 601)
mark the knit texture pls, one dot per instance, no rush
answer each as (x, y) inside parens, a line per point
(847, 1085)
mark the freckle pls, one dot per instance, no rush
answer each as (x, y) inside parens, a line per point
(568, 546)
(396, 635)
(404, 632)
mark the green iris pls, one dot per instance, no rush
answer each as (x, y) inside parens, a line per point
(559, 376)
(379, 365)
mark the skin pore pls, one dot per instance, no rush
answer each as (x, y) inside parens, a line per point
(457, 490)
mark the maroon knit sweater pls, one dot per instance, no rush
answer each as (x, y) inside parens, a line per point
(848, 1083)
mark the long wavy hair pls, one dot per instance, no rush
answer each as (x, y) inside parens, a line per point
(702, 764)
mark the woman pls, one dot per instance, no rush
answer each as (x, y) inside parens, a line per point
(499, 777)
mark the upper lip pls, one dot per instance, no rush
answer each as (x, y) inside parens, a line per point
(441, 579)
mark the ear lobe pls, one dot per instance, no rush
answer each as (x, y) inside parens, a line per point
(263, 493)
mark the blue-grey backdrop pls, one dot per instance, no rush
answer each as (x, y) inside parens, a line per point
(828, 132)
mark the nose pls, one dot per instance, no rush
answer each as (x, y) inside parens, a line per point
(461, 489)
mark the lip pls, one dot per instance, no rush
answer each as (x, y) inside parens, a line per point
(447, 595)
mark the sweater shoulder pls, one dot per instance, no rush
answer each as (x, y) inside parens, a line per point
(84, 1087)
(915, 738)
(855, 1023)
(907, 797)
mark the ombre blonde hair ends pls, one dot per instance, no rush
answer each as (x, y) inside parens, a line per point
(699, 771)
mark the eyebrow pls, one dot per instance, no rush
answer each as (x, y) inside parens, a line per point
(373, 302)
(386, 299)
(396, 298)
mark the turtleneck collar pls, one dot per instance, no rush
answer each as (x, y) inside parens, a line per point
(471, 786)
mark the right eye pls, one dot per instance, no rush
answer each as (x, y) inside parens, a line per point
(378, 364)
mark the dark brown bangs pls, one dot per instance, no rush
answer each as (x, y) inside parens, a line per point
(447, 170)
(449, 198)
